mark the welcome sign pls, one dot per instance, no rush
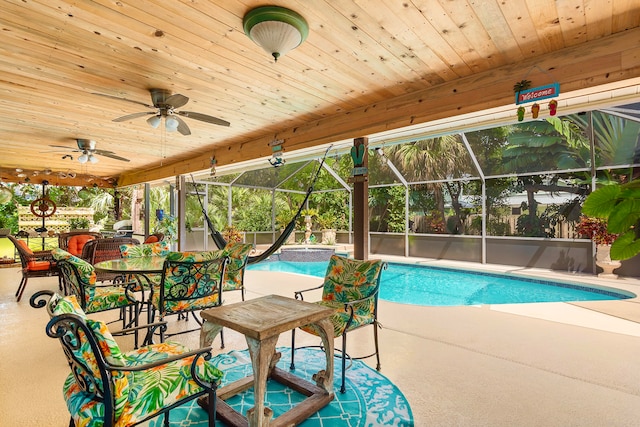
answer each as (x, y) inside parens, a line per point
(538, 93)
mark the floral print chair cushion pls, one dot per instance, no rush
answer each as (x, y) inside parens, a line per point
(134, 395)
(348, 280)
(238, 254)
(189, 282)
(146, 249)
(108, 346)
(80, 278)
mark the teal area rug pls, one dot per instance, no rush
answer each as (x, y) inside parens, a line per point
(371, 399)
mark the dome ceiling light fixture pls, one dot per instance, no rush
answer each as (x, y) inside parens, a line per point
(275, 29)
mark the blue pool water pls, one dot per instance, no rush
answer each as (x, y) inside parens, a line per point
(422, 285)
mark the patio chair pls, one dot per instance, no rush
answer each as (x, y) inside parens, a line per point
(79, 278)
(191, 281)
(97, 250)
(109, 387)
(238, 254)
(34, 264)
(351, 288)
(74, 241)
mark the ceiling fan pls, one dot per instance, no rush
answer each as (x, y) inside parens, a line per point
(164, 105)
(89, 152)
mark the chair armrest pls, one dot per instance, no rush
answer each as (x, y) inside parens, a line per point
(40, 256)
(46, 253)
(299, 293)
(205, 351)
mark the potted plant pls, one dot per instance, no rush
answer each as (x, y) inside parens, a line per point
(79, 224)
(596, 230)
(168, 226)
(327, 221)
(232, 234)
(618, 204)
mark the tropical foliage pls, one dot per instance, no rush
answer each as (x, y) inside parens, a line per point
(619, 206)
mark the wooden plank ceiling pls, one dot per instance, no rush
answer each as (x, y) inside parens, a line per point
(368, 66)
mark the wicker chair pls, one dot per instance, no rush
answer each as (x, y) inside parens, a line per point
(34, 264)
(97, 250)
(74, 241)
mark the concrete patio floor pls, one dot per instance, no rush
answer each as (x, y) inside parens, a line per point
(551, 364)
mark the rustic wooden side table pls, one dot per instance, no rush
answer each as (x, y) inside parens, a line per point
(262, 320)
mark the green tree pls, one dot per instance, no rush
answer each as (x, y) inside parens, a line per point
(434, 159)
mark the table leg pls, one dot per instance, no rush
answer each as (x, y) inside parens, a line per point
(261, 353)
(208, 333)
(324, 379)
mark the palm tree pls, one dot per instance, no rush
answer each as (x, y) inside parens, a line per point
(440, 158)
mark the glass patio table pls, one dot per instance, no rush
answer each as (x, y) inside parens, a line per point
(140, 267)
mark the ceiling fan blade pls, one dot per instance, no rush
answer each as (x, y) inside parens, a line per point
(182, 126)
(102, 152)
(203, 118)
(55, 151)
(123, 99)
(176, 100)
(133, 116)
(111, 155)
(62, 146)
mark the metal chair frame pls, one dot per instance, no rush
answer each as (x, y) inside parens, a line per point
(194, 284)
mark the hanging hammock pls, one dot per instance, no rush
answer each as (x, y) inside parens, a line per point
(220, 242)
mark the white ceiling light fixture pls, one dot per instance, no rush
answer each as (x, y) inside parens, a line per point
(154, 121)
(171, 123)
(275, 29)
(93, 159)
(82, 158)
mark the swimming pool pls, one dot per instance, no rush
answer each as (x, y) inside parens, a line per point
(428, 285)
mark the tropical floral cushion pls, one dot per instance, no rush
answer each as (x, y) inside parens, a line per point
(349, 280)
(179, 277)
(146, 392)
(234, 274)
(194, 256)
(96, 298)
(147, 249)
(107, 345)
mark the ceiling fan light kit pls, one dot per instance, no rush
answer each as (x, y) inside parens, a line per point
(275, 29)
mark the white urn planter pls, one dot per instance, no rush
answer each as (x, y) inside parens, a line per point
(604, 261)
(329, 236)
